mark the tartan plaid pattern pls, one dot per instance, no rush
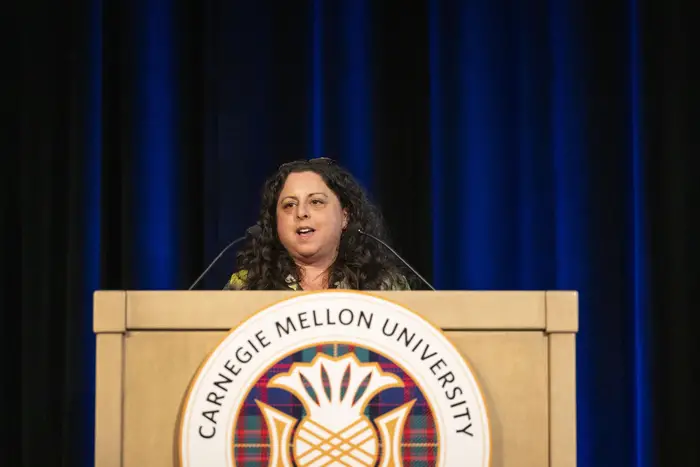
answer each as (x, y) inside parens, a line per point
(251, 438)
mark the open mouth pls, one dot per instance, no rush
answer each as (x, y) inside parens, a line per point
(305, 232)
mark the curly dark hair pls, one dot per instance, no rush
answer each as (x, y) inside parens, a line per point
(361, 263)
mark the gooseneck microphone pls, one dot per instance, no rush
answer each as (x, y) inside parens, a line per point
(397, 255)
(251, 232)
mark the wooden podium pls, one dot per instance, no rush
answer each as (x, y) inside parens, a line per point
(521, 346)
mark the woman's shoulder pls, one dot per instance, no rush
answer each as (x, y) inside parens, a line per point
(238, 280)
(395, 281)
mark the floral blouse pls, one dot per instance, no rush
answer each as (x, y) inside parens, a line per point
(391, 282)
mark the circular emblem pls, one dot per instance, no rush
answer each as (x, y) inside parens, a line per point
(334, 379)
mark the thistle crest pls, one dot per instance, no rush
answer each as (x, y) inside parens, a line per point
(335, 431)
(335, 391)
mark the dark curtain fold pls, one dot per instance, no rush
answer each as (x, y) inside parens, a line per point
(670, 124)
(510, 144)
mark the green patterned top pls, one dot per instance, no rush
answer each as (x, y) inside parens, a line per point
(392, 282)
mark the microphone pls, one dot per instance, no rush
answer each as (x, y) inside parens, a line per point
(397, 255)
(252, 232)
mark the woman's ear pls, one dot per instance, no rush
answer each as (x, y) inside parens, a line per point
(345, 219)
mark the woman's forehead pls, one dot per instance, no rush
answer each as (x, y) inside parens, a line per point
(304, 184)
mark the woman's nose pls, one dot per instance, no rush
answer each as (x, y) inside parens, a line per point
(302, 212)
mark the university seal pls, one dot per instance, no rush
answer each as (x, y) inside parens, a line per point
(334, 379)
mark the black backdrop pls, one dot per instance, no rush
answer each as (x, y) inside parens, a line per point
(222, 103)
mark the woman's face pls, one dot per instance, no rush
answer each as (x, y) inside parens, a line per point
(310, 218)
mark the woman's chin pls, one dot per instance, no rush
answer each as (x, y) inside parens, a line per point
(307, 252)
(310, 255)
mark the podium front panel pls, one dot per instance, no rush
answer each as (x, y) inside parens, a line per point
(524, 369)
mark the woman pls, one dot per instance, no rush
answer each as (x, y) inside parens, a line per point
(310, 216)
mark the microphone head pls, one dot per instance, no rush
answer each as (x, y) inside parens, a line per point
(254, 230)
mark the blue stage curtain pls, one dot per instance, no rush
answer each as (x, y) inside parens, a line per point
(511, 144)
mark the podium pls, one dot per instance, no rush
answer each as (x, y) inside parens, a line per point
(519, 344)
